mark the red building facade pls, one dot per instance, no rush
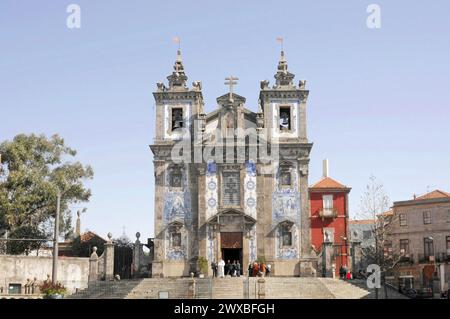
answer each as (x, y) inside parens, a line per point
(329, 217)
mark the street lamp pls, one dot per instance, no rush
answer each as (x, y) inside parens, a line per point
(55, 238)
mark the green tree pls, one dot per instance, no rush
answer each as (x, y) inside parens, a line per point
(32, 169)
(84, 249)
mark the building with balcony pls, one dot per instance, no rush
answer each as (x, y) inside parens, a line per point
(329, 217)
(420, 235)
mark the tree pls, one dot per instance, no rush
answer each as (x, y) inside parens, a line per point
(84, 248)
(32, 169)
(375, 205)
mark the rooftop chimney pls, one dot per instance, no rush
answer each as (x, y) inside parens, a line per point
(325, 168)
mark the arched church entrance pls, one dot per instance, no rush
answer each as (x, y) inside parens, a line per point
(232, 246)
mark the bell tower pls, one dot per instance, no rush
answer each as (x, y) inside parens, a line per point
(178, 107)
(283, 116)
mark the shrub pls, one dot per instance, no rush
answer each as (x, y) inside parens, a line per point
(49, 288)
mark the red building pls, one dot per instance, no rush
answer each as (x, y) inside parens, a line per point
(329, 216)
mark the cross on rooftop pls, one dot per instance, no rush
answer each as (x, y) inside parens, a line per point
(231, 81)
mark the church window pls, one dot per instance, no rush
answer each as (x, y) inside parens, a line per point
(231, 188)
(176, 239)
(177, 118)
(285, 118)
(286, 236)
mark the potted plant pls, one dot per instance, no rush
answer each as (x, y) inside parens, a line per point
(52, 290)
(203, 266)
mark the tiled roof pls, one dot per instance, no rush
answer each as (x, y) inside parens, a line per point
(328, 183)
(87, 236)
(362, 221)
(434, 194)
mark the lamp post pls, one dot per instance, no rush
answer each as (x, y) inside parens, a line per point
(436, 268)
(55, 238)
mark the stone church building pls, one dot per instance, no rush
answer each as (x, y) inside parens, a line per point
(232, 183)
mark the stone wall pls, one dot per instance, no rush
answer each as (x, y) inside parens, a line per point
(73, 272)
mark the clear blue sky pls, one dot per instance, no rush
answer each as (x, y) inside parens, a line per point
(379, 98)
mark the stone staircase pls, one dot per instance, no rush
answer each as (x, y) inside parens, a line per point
(228, 288)
(223, 288)
(150, 288)
(106, 290)
(392, 293)
(342, 289)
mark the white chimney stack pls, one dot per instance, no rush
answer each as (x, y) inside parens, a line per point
(325, 168)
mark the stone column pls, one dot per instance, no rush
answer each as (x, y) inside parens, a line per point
(93, 266)
(355, 246)
(218, 244)
(109, 259)
(137, 255)
(200, 239)
(159, 241)
(261, 288)
(327, 250)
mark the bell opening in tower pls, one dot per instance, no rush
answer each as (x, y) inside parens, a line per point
(285, 118)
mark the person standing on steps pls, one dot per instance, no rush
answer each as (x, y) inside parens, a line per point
(238, 268)
(214, 269)
(263, 269)
(268, 270)
(228, 268)
(220, 268)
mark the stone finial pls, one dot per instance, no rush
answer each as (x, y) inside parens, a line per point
(302, 84)
(138, 234)
(94, 249)
(178, 78)
(264, 84)
(78, 225)
(161, 86)
(109, 236)
(283, 77)
(197, 85)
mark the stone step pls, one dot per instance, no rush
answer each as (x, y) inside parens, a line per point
(224, 288)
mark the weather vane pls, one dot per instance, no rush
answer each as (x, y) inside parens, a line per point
(280, 41)
(178, 41)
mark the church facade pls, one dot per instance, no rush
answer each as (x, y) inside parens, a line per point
(232, 184)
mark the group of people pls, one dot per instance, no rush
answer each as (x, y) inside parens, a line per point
(259, 269)
(222, 269)
(344, 273)
(233, 269)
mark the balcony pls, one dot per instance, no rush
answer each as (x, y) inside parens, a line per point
(328, 213)
(406, 259)
(442, 257)
(426, 258)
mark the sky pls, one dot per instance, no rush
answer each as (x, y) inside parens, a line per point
(378, 102)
